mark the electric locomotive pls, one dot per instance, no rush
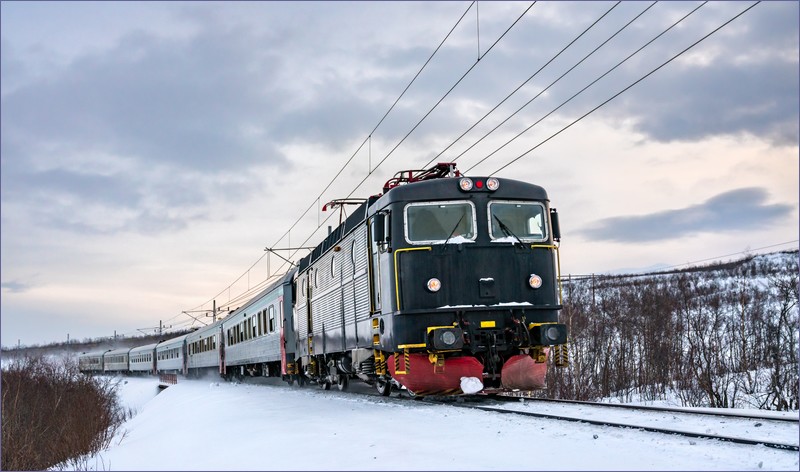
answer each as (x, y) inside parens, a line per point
(439, 280)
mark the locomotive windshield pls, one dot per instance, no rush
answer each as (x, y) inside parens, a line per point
(523, 220)
(437, 222)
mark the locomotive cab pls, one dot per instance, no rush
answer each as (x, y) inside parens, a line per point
(465, 272)
(442, 277)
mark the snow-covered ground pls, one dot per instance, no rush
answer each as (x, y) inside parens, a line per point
(212, 425)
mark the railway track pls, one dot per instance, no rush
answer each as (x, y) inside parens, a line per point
(772, 416)
(765, 430)
(768, 430)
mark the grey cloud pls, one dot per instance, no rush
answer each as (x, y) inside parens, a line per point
(746, 88)
(727, 99)
(14, 286)
(737, 210)
(135, 102)
(220, 103)
(684, 100)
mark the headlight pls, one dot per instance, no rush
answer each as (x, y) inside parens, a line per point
(443, 339)
(465, 184)
(434, 285)
(448, 338)
(535, 281)
(548, 334)
(492, 184)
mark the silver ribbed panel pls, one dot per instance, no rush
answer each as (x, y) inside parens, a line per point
(346, 288)
(204, 359)
(262, 349)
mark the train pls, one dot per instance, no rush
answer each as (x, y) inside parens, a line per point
(441, 284)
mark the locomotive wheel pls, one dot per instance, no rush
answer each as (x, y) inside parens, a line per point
(342, 382)
(324, 385)
(384, 388)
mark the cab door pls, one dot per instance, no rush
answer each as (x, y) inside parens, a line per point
(375, 237)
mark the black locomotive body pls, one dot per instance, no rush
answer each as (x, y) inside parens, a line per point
(440, 279)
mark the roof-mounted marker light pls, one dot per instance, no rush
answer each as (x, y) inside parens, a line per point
(492, 184)
(465, 184)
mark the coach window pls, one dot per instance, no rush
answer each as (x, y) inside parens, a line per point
(280, 311)
(510, 220)
(353, 253)
(253, 324)
(271, 319)
(333, 267)
(440, 222)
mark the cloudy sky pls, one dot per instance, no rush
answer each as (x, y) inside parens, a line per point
(151, 151)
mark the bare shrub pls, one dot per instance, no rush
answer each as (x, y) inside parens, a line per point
(52, 414)
(722, 336)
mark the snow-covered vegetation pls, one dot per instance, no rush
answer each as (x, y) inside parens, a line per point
(724, 335)
(53, 414)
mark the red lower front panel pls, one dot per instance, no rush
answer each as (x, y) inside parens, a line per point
(523, 373)
(419, 375)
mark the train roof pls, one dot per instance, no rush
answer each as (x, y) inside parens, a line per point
(445, 188)
(122, 350)
(145, 348)
(286, 278)
(336, 235)
(170, 343)
(199, 333)
(93, 354)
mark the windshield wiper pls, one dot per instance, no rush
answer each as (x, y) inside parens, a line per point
(453, 231)
(506, 230)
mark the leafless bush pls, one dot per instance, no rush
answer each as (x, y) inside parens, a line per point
(720, 337)
(52, 414)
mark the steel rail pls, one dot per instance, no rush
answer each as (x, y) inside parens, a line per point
(664, 409)
(731, 439)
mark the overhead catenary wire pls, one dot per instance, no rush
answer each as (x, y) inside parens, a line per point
(509, 163)
(579, 92)
(357, 186)
(463, 76)
(396, 146)
(531, 77)
(545, 89)
(625, 89)
(422, 119)
(366, 140)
